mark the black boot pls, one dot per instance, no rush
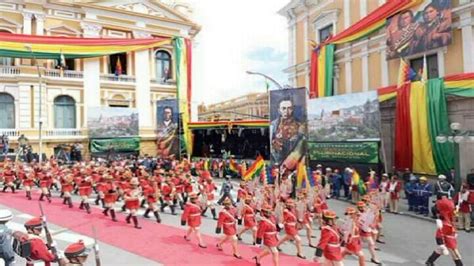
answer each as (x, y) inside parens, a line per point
(106, 211)
(81, 206)
(112, 213)
(70, 202)
(4, 189)
(162, 208)
(173, 211)
(97, 200)
(102, 202)
(28, 195)
(123, 208)
(214, 215)
(181, 205)
(458, 262)
(157, 216)
(48, 196)
(61, 195)
(64, 201)
(203, 213)
(13, 189)
(135, 222)
(88, 207)
(142, 204)
(41, 197)
(146, 213)
(434, 256)
(128, 218)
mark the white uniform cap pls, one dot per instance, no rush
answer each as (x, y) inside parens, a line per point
(5, 215)
(442, 177)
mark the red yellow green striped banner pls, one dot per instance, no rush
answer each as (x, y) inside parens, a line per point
(255, 169)
(51, 47)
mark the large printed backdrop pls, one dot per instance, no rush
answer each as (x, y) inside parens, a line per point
(288, 127)
(418, 30)
(112, 122)
(344, 117)
(167, 121)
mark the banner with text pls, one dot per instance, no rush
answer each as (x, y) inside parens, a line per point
(117, 145)
(288, 127)
(167, 121)
(350, 152)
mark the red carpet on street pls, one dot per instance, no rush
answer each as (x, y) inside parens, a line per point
(161, 243)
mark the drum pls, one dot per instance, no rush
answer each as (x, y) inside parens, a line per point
(132, 204)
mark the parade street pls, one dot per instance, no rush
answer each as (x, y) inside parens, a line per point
(409, 241)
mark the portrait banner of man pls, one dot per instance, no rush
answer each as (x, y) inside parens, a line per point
(167, 121)
(423, 28)
(288, 127)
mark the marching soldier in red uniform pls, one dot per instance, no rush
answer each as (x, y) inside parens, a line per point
(329, 244)
(208, 188)
(67, 188)
(446, 236)
(85, 190)
(8, 179)
(110, 197)
(353, 244)
(290, 222)
(248, 216)
(45, 183)
(267, 232)
(192, 216)
(167, 195)
(227, 222)
(39, 250)
(242, 192)
(28, 184)
(132, 202)
(367, 231)
(151, 194)
(76, 253)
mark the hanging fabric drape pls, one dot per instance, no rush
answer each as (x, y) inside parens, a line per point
(403, 142)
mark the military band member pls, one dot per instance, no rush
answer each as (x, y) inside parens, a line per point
(151, 194)
(208, 188)
(168, 193)
(66, 188)
(39, 249)
(85, 190)
(329, 244)
(132, 202)
(192, 216)
(228, 223)
(45, 183)
(268, 235)
(366, 230)
(290, 224)
(352, 242)
(28, 183)
(248, 217)
(110, 197)
(8, 178)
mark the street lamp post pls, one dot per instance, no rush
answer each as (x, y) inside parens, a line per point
(456, 136)
(267, 77)
(40, 120)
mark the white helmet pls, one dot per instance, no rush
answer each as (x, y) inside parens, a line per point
(442, 177)
(5, 215)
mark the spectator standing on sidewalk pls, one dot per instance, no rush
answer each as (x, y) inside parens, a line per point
(463, 208)
(425, 191)
(411, 192)
(443, 187)
(394, 188)
(346, 184)
(383, 188)
(336, 184)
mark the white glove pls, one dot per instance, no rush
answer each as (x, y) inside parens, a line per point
(96, 247)
(54, 244)
(439, 223)
(60, 254)
(444, 250)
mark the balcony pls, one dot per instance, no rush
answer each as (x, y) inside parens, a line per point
(169, 82)
(9, 132)
(63, 132)
(55, 73)
(115, 78)
(9, 70)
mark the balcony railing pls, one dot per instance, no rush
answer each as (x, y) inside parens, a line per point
(9, 132)
(163, 82)
(66, 74)
(9, 70)
(63, 132)
(120, 78)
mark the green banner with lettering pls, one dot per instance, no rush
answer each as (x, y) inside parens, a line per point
(353, 152)
(118, 145)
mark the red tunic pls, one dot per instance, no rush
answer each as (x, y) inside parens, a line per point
(290, 220)
(227, 221)
(448, 234)
(67, 187)
(242, 194)
(330, 244)
(354, 244)
(131, 199)
(45, 182)
(9, 176)
(85, 188)
(248, 214)
(267, 231)
(149, 193)
(210, 188)
(166, 192)
(192, 214)
(39, 251)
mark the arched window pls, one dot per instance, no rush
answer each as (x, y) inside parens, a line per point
(7, 111)
(163, 65)
(64, 112)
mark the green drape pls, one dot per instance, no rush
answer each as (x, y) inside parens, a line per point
(329, 71)
(438, 124)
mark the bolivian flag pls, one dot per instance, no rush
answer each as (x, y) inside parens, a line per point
(254, 170)
(234, 167)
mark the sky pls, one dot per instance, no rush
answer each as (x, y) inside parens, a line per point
(237, 36)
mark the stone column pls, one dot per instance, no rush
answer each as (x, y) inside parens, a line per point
(39, 24)
(467, 31)
(142, 85)
(91, 72)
